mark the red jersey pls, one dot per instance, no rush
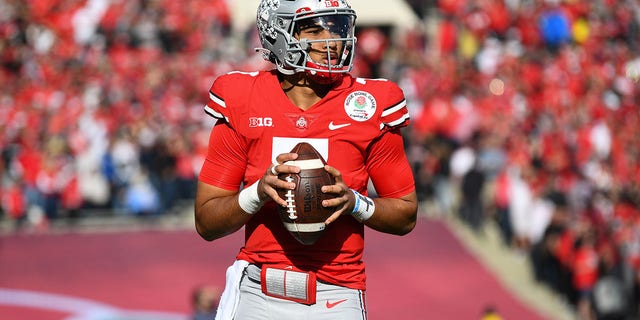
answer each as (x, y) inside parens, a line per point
(356, 129)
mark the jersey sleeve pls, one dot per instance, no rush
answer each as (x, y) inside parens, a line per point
(388, 166)
(226, 159)
(216, 106)
(228, 98)
(395, 113)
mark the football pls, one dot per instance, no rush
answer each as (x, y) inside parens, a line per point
(304, 215)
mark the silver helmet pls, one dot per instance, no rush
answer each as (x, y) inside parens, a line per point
(279, 20)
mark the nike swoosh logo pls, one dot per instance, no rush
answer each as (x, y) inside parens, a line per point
(333, 126)
(333, 304)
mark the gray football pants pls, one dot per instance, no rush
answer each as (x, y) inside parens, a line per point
(332, 302)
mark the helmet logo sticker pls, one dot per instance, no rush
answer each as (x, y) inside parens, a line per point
(360, 106)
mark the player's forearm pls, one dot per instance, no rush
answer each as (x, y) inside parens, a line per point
(219, 217)
(394, 216)
(217, 212)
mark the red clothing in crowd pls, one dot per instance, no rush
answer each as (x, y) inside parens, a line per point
(585, 267)
(14, 202)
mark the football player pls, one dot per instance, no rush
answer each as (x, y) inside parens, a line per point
(353, 122)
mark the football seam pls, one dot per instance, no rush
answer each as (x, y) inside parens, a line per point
(290, 196)
(291, 202)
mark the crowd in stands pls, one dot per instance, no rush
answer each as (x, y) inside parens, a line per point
(101, 103)
(525, 112)
(529, 111)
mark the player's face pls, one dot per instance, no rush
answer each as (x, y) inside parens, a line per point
(322, 34)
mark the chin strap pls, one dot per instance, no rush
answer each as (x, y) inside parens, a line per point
(285, 70)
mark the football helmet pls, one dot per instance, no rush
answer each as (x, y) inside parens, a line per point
(279, 21)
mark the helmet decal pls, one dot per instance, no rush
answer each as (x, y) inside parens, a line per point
(264, 24)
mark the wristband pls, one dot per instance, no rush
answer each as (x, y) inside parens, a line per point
(249, 200)
(364, 208)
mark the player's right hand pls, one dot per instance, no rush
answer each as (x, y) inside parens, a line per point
(269, 183)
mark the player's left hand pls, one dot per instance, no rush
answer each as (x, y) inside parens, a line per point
(344, 200)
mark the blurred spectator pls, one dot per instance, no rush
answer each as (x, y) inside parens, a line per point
(472, 208)
(205, 302)
(14, 203)
(162, 171)
(555, 27)
(585, 273)
(490, 313)
(501, 195)
(140, 198)
(547, 266)
(610, 294)
(372, 45)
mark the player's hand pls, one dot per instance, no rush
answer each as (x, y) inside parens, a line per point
(269, 183)
(344, 200)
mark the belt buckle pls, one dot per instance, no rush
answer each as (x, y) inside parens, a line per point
(297, 286)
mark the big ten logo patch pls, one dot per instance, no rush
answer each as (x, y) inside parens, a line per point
(255, 122)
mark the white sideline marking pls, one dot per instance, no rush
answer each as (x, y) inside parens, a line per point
(80, 309)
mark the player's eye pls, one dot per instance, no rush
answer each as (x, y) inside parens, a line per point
(312, 30)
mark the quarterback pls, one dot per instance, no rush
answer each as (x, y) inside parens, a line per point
(354, 123)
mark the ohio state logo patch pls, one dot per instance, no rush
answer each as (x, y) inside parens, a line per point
(301, 123)
(360, 105)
